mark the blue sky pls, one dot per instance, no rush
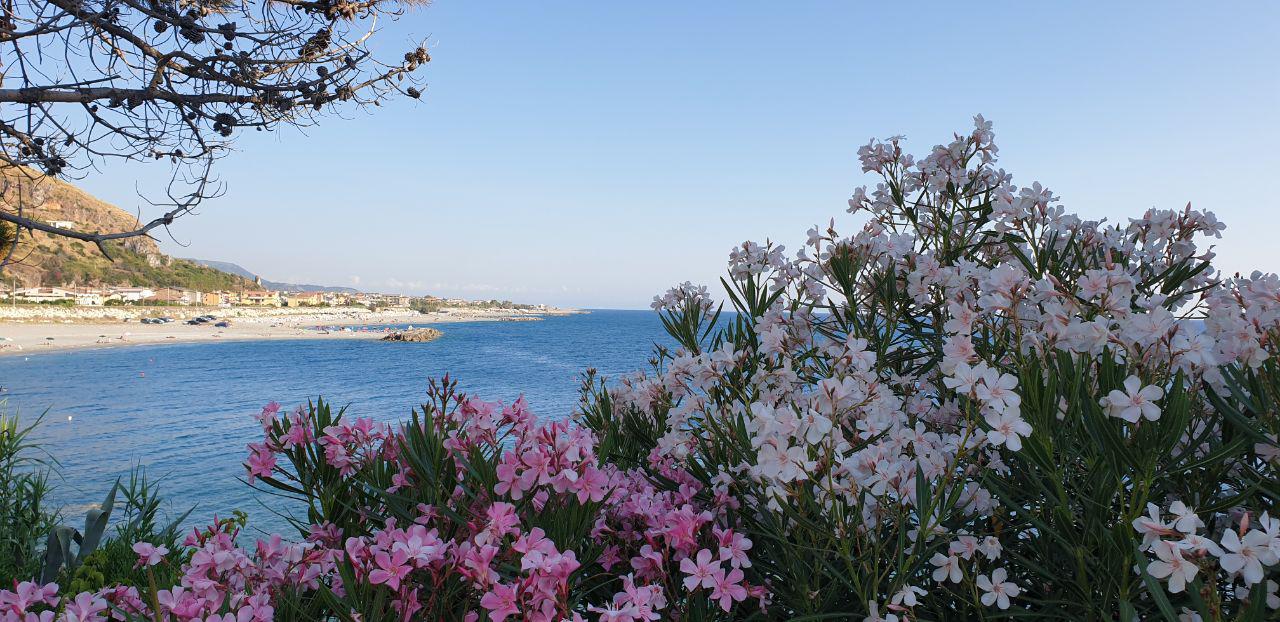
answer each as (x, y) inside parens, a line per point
(594, 153)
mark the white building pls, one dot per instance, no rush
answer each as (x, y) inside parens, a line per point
(133, 294)
(45, 294)
(89, 299)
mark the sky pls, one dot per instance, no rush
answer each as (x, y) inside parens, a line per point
(593, 154)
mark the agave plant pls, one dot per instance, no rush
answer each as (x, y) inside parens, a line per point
(68, 547)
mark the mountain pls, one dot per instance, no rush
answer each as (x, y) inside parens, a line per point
(45, 260)
(224, 266)
(278, 286)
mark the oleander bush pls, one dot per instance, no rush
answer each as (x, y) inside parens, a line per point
(976, 406)
(979, 405)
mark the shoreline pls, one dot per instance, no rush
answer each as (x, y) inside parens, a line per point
(29, 337)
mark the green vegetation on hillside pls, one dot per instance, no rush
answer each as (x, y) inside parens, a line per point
(84, 265)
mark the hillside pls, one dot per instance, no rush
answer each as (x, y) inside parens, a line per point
(42, 259)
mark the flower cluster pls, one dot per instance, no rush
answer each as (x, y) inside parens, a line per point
(221, 582)
(478, 494)
(1241, 554)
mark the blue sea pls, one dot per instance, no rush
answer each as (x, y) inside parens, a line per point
(185, 412)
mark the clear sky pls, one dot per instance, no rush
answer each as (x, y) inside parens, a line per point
(595, 153)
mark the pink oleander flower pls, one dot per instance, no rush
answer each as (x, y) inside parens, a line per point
(733, 547)
(299, 432)
(592, 485)
(149, 554)
(268, 414)
(727, 588)
(501, 602)
(476, 563)
(502, 519)
(701, 571)
(28, 594)
(85, 607)
(390, 569)
(262, 461)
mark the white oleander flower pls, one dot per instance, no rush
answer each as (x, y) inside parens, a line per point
(948, 567)
(996, 590)
(1185, 518)
(1007, 429)
(908, 596)
(1172, 567)
(1135, 402)
(1246, 555)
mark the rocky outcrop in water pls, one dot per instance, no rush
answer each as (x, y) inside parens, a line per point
(417, 335)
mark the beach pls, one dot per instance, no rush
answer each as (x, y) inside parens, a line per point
(27, 330)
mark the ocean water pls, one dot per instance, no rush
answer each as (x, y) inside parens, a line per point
(185, 412)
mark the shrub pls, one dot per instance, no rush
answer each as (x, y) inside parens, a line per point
(25, 517)
(980, 405)
(476, 508)
(102, 555)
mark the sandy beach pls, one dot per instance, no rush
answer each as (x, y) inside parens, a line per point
(34, 335)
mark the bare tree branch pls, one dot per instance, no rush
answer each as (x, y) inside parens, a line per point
(85, 81)
(97, 238)
(84, 96)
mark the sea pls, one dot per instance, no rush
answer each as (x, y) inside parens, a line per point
(185, 412)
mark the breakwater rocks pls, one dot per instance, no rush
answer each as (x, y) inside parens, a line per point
(416, 335)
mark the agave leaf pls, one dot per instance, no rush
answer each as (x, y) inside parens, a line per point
(57, 552)
(95, 524)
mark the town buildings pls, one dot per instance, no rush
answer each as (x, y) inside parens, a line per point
(179, 296)
(45, 294)
(305, 299)
(260, 298)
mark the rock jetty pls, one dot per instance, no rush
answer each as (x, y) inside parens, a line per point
(417, 335)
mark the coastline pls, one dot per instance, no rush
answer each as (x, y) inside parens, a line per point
(28, 335)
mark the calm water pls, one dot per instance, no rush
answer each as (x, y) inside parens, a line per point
(185, 411)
